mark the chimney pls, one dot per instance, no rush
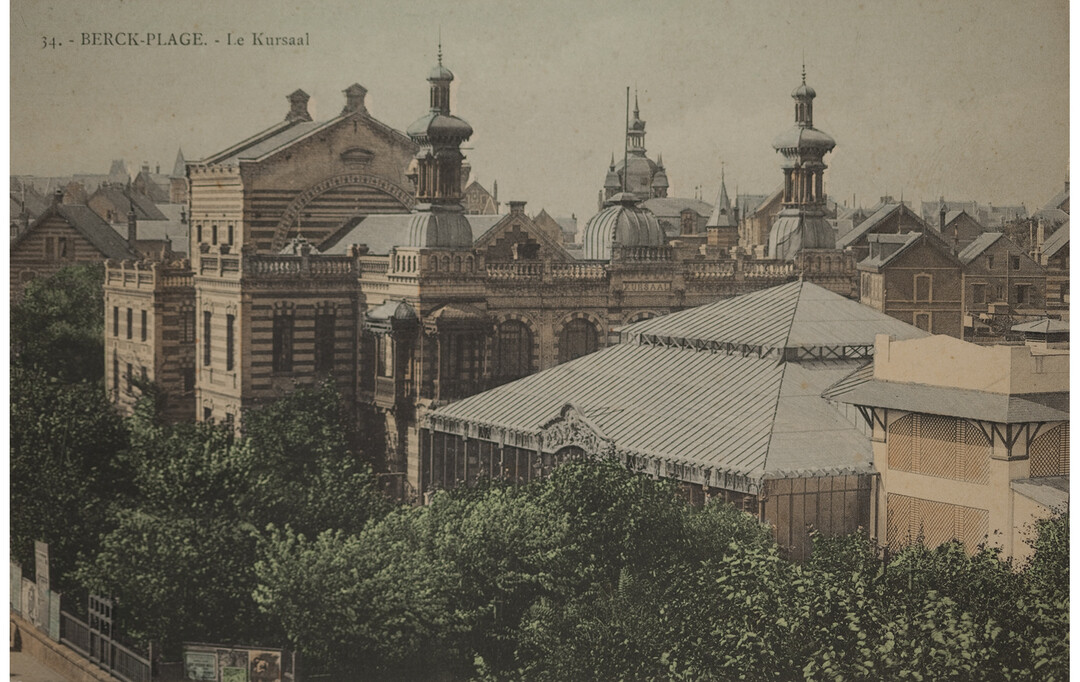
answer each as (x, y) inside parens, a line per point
(517, 207)
(1040, 238)
(132, 227)
(157, 169)
(58, 197)
(941, 219)
(354, 99)
(145, 166)
(298, 106)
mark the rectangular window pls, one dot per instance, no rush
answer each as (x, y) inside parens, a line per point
(1021, 293)
(1014, 261)
(116, 321)
(62, 248)
(230, 235)
(206, 337)
(923, 284)
(386, 356)
(1064, 292)
(50, 248)
(213, 234)
(198, 233)
(143, 325)
(229, 419)
(283, 343)
(188, 379)
(129, 370)
(142, 372)
(230, 341)
(989, 262)
(130, 322)
(324, 342)
(115, 373)
(187, 325)
(922, 321)
(978, 293)
(207, 414)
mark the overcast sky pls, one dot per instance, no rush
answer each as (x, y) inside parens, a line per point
(965, 99)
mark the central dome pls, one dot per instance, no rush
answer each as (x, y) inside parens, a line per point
(621, 222)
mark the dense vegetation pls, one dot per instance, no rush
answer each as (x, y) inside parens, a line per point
(281, 537)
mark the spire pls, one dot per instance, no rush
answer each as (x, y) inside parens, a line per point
(440, 51)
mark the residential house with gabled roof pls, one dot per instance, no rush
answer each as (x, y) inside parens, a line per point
(913, 277)
(724, 398)
(152, 184)
(971, 442)
(478, 201)
(889, 219)
(64, 235)
(958, 229)
(1054, 257)
(1003, 285)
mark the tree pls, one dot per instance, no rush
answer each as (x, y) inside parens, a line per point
(65, 472)
(57, 326)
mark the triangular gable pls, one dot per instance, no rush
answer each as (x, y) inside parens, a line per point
(571, 428)
(529, 227)
(87, 223)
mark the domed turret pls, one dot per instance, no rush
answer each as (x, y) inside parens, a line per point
(437, 169)
(660, 181)
(621, 222)
(801, 223)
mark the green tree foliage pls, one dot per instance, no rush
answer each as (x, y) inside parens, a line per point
(57, 327)
(303, 473)
(64, 469)
(186, 542)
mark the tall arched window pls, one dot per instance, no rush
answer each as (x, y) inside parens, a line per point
(578, 338)
(514, 351)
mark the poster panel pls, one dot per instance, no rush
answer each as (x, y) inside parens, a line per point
(54, 616)
(230, 674)
(265, 666)
(200, 666)
(41, 565)
(16, 588)
(29, 600)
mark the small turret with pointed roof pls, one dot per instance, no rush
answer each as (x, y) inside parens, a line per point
(722, 215)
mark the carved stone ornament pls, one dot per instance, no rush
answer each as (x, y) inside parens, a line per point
(572, 428)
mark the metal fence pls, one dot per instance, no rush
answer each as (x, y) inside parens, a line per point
(117, 659)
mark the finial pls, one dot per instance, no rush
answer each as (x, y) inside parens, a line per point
(804, 66)
(635, 103)
(440, 49)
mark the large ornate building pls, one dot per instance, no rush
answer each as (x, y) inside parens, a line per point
(342, 249)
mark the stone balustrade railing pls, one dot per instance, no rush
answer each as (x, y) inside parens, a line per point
(148, 274)
(519, 270)
(578, 271)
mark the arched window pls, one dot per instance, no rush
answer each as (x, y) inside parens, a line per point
(578, 338)
(514, 353)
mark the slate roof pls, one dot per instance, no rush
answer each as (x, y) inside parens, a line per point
(90, 225)
(860, 388)
(1055, 241)
(124, 199)
(883, 213)
(983, 242)
(383, 231)
(670, 207)
(737, 412)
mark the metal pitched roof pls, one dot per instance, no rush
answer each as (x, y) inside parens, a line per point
(1043, 326)
(1051, 492)
(793, 315)
(860, 388)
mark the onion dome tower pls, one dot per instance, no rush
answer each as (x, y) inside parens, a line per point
(801, 223)
(635, 173)
(439, 219)
(621, 223)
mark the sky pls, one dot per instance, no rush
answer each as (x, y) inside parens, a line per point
(966, 99)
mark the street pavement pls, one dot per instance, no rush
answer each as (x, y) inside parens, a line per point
(25, 668)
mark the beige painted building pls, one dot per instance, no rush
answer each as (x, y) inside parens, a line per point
(971, 442)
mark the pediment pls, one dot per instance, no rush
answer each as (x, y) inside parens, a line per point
(571, 428)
